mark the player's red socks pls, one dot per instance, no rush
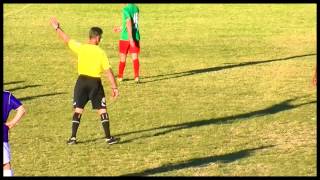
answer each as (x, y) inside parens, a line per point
(136, 67)
(122, 65)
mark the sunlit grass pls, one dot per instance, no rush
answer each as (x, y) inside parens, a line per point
(226, 91)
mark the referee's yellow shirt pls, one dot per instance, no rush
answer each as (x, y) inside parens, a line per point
(92, 60)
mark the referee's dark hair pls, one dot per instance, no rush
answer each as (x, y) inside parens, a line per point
(94, 32)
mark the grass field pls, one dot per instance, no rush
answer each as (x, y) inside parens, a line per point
(226, 91)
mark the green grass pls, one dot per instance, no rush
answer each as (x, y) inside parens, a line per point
(226, 91)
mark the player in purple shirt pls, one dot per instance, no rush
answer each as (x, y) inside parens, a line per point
(9, 102)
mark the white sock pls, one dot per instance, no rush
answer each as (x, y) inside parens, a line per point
(7, 172)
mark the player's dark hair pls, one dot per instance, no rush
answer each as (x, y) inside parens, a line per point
(94, 32)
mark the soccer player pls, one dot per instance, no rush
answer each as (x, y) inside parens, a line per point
(129, 40)
(92, 62)
(9, 102)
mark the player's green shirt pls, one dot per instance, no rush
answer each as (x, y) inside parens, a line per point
(130, 11)
(92, 60)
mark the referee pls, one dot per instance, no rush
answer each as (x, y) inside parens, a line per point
(92, 61)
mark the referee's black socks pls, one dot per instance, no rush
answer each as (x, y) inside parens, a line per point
(75, 123)
(105, 124)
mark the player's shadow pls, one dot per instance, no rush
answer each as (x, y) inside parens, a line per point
(22, 87)
(214, 69)
(27, 98)
(200, 162)
(13, 82)
(40, 95)
(276, 108)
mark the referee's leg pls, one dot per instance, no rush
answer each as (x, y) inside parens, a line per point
(98, 101)
(79, 101)
(76, 121)
(106, 126)
(105, 122)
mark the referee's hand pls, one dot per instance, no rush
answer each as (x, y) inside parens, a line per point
(54, 22)
(115, 92)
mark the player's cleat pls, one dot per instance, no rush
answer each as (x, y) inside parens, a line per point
(112, 140)
(120, 80)
(72, 140)
(137, 80)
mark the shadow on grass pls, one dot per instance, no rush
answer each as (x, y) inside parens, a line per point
(13, 82)
(213, 69)
(41, 95)
(199, 162)
(30, 86)
(276, 108)
(22, 87)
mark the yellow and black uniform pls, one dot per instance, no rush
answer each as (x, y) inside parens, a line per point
(92, 61)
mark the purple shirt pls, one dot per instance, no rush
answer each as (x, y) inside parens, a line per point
(9, 102)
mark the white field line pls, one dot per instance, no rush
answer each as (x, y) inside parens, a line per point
(15, 12)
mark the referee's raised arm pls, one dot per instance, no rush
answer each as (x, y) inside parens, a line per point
(56, 25)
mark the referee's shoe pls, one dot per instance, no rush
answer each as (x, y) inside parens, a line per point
(112, 140)
(72, 140)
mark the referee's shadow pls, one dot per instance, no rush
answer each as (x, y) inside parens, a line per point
(162, 130)
(201, 161)
(285, 105)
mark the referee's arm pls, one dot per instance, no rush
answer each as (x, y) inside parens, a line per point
(54, 22)
(110, 76)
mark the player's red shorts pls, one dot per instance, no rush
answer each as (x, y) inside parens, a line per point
(124, 47)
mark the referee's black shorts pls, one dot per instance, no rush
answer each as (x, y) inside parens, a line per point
(89, 88)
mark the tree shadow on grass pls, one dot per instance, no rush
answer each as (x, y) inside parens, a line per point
(39, 96)
(200, 162)
(276, 108)
(213, 69)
